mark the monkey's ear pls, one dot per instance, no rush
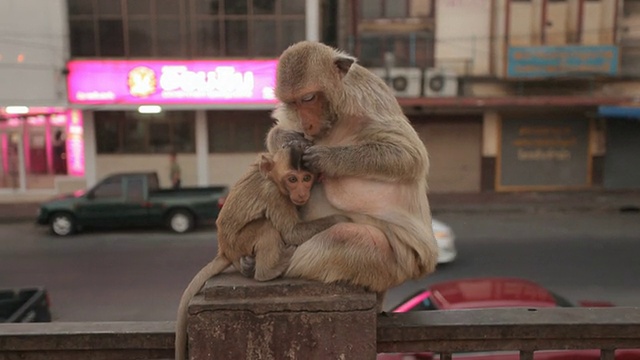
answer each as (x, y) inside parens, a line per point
(343, 63)
(266, 164)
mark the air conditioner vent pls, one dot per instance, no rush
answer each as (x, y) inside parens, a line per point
(440, 82)
(405, 82)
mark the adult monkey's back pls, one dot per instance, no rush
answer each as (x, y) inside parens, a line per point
(372, 163)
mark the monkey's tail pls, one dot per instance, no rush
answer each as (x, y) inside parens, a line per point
(215, 267)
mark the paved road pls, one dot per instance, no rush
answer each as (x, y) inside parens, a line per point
(139, 275)
(584, 256)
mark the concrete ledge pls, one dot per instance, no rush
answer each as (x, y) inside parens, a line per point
(238, 318)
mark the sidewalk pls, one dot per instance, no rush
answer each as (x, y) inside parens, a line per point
(456, 202)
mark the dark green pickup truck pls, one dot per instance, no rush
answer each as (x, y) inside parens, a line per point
(132, 200)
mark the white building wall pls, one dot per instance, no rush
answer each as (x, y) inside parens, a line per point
(107, 164)
(33, 51)
(463, 35)
(226, 169)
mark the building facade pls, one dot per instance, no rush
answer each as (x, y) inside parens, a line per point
(508, 95)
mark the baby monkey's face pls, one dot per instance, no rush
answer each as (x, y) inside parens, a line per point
(298, 183)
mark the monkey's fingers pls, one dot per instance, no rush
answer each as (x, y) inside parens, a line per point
(301, 143)
(313, 157)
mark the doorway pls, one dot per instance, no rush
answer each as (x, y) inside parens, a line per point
(32, 152)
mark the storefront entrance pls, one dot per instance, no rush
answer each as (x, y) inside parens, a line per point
(32, 151)
(621, 164)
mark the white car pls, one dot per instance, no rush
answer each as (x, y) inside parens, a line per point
(446, 241)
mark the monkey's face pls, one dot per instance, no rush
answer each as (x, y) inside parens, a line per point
(313, 112)
(298, 184)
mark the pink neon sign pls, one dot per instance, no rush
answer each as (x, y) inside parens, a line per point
(171, 82)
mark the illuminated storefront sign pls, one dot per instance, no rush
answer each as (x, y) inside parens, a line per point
(171, 82)
(554, 61)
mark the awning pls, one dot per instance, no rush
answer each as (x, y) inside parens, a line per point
(627, 112)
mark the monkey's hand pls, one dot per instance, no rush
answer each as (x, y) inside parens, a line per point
(316, 157)
(301, 142)
(282, 138)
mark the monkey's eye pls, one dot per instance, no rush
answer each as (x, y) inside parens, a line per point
(292, 179)
(308, 97)
(307, 178)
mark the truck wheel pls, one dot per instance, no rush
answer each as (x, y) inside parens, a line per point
(62, 224)
(181, 221)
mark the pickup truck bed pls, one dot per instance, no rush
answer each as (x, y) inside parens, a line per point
(24, 305)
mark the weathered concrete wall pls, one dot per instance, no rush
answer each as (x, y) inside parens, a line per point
(238, 318)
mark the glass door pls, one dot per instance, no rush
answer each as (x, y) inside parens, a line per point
(10, 145)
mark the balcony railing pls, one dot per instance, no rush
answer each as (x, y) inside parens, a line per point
(302, 321)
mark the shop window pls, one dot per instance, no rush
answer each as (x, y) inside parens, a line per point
(240, 28)
(167, 7)
(410, 50)
(208, 38)
(293, 7)
(264, 7)
(236, 37)
(82, 37)
(210, 7)
(134, 133)
(237, 131)
(170, 28)
(236, 7)
(129, 28)
(80, 7)
(140, 33)
(109, 7)
(262, 35)
(169, 39)
(375, 9)
(292, 32)
(110, 38)
(139, 7)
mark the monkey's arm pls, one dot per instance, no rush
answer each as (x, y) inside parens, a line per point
(303, 231)
(390, 161)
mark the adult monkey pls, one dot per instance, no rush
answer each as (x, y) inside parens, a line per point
(374, 169)
(260, 217)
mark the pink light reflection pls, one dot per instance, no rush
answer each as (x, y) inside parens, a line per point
(75, 143)
(412, 302)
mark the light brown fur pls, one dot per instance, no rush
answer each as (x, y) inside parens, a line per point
(374, 168)
(259, 219)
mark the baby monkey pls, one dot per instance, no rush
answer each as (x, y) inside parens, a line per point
(260, 224)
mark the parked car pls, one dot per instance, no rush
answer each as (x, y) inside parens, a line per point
(132, 200)
(24, 305)
(496, 292)
(446, 241)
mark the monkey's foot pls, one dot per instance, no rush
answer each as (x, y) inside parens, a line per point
(248, 266)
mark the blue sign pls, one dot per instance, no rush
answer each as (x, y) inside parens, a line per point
(557, 61)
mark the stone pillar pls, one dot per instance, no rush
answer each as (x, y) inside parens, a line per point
(239, 318)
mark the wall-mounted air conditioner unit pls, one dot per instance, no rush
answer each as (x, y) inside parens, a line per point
(440, 82)
(405, 82)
